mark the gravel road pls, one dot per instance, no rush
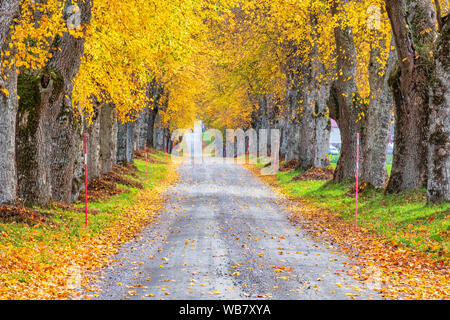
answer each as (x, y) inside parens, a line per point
(224, 235)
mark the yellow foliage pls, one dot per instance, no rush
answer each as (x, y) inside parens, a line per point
(211, 57)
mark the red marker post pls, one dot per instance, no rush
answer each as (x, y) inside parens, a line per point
(356, 188)
(85, 180)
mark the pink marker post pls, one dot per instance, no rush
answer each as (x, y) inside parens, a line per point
(85, 180)
(357, 174)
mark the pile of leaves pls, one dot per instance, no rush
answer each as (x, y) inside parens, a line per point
(289, 165)
(72, 208)
(315, 174)
(19, 213)
(128, 169)
(106, 185)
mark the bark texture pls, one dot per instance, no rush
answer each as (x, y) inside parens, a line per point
(78, 172)
(344, 107)
(93, 146)
(151, 127)
(155, 92)
(289, 119)
(9, 9)
(314, 122)
(413, 25)
(378, 120)
(322, 126)
(121, 143)
(439, 137)
(108, 138)
(290, 127)
(141, 130)
(265, 118)
(125, 143)
(129, 145)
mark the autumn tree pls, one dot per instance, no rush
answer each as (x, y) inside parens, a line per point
(46, 130)
(438, 185)
(9, 10)
(420, 153)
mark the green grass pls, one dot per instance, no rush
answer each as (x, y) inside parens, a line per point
(388, 167)
(66, 227)
(404, 218)
(334, 159)
(50, 243)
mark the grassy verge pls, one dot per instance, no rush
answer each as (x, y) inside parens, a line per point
(401, 246)
(36, 259)
(404, 219)
(334, 159)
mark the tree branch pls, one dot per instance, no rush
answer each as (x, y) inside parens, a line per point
(438, 14)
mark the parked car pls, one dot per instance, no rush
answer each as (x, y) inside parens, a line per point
(390, 148)
(333, 151)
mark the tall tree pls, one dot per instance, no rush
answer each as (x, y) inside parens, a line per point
(439, 134)
(378, 117)
(154, 92)
(344, 104)
(108, 138)
(45, 128)
(9, 9)
(413, 25)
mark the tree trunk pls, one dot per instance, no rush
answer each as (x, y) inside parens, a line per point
(344, 107)
(154, 92)
(307, 119)
(159, 132)
(151, 127)
(413, 27)
(314, 123)
(32, 143)
(129, 148)
(93, 146)
(9, 9)
(141, 129)
(378, 119)
(78, 173)
(121, 143)
(322, 126)
(306, 129)
(158, 136)
(46, 130)
(439, 136)
(290, 148)
(125, 135)
(290, 122)
(108, 138)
